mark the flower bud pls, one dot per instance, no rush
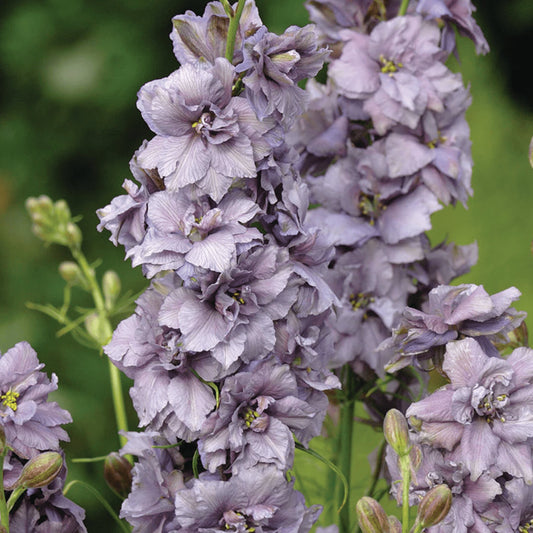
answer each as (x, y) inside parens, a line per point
(98, 328)
(372, 518)
(396, 432)
(72, 274)
(434, 506)
(40, 470)
(395, 525)
(117, 473)
(111, 288)
(73, 235)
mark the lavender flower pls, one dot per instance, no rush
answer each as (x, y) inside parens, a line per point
(31, 423)
(205, 137)
(157, 477)
(455, 12)
(195, 37)
(181, 231)
(259, 408)
(451, 312)
(258, 499)
(168, 392)
(234, 316)
(274, 64)
(397, 70)
(484, 417)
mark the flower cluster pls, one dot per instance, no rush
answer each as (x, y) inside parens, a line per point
(227, 347)
(384, 144)
(30, 435)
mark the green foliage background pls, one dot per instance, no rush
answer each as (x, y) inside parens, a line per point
(69, 73)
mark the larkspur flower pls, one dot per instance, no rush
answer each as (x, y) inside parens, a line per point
(484, 416)
(272, 67)
(30, 422)
(258, 499)
(205, 138)
(397, 71)
(259, 407)
(450, 312)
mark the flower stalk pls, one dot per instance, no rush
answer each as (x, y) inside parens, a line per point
(232, 30)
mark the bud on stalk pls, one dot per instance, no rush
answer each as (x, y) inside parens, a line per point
(372, 518)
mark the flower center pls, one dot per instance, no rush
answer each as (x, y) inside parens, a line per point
(492, 407)
(204, 121)
(9, 399)
(236, 295)
(370, 206)
(236, 521)
(388, 66)
(249, 416)
(361, 300)
(435, 142)
(527, 527)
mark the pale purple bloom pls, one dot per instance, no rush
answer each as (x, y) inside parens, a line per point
(516, 507)
(451, 311)
(194, 37)
(397, 70)
(259, 408)
(272, 67)
(234, 316)
(205, 138)
(258, 499)
(484, 416)
(157, 477)
(168, 392)
(184, 231)
(455, 12)
(31, 423)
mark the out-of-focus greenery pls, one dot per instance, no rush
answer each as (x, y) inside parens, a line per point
(69, 73)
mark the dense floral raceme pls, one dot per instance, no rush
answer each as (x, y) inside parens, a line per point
(283, 233)
(29, 426)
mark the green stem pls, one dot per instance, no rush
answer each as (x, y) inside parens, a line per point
(4, 513)
(403, 8)
(405, 468)
(232, 30)
(345, 450)
(114, 373)
(118, 402)
(377, 470)
(15, 495)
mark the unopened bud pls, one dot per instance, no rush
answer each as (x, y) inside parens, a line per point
(117, 473)
(72, 274)
(415, 454)
(73, 234)
(434, 506)
(40, 470)
(396, 432)
(395, 525)
(111, 288)
(98, 328)
(372, 518)
(62, 211)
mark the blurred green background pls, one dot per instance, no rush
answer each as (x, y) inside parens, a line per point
(69, 74)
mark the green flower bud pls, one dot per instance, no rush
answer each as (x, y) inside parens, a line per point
(372, 518)
(396, 432)
(111, 288)
(395, 525)
(434, 506)
(40, 470)
(72, 274)
(73, 235)
(117, 473)
(98, 328)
